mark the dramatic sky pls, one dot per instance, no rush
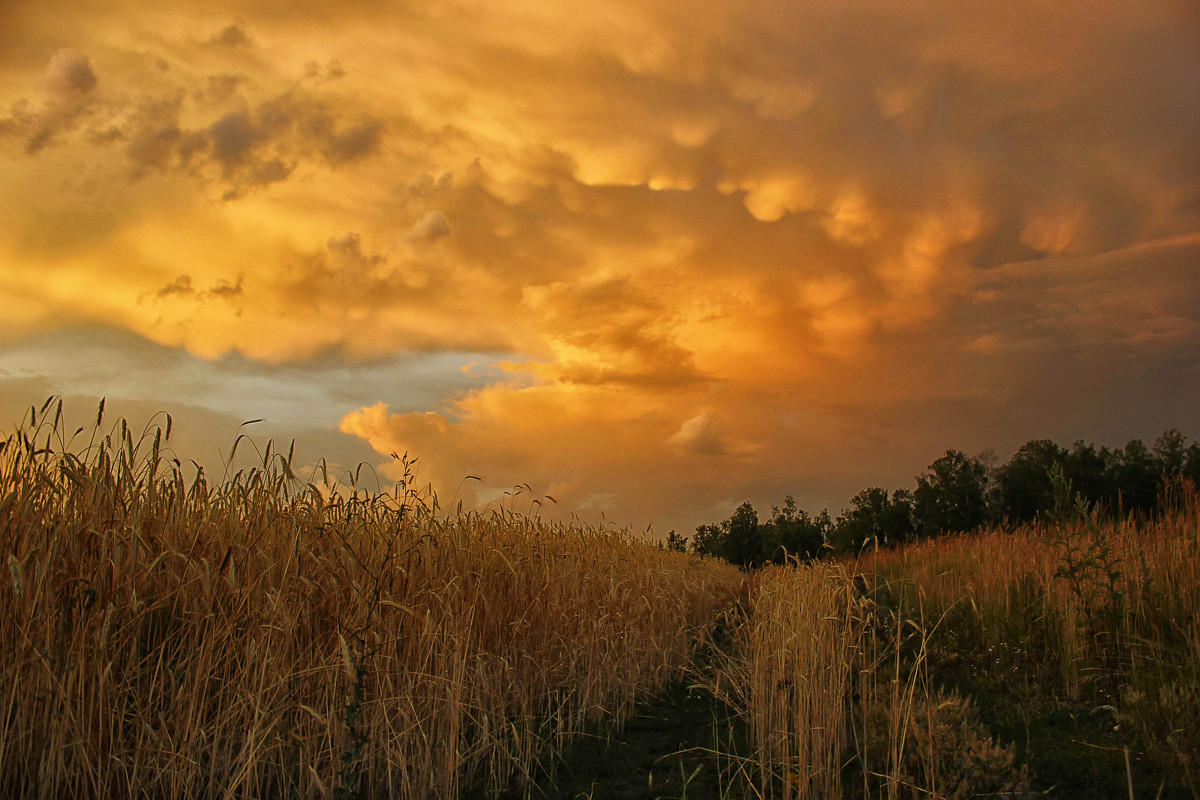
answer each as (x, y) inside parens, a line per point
(649, 258)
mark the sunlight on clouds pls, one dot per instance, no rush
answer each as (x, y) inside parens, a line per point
(770, 198)
(567, 440)
(699, 250)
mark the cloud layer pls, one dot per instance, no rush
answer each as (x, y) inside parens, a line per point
(697, 252)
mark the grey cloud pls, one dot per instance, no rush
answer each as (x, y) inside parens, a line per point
(231, 36)
(346, 145)
(703, 435)
(234, 137)
(69, 76)
(245, 147)
(180, 286)
(184, 286)
(40, 139)
(348, 254)
(225, 290)
(331, 71)
(699, 435)
(342, 275)
(153, 135)
(1126, 304)
(67, 85)
(258, 147)
(222, 87)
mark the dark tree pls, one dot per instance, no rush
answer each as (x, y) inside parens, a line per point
(1023, 489)
(1170, 453)
(1090, 472)
(1136, 476)
(1191, 464)
(737, 539)
(792, 532)
(951, 495)
(709, 541)
(900, 520)
(676, 542)
(744, 542)
(874, 517)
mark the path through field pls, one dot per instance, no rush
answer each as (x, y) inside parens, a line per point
(672, 748)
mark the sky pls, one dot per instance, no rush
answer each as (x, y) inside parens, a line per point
(648, 259)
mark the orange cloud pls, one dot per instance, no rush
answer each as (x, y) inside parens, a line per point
(711, 250)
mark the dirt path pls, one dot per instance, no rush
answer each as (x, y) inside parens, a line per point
(668, 749)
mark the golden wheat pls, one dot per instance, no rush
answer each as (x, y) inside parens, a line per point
(263, 637)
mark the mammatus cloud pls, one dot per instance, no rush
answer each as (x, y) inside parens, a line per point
(433, 225)
(702, 435)
(68, 77)
(710, 252)
(64, 87)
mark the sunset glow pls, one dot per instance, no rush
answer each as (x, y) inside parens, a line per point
(651, 259)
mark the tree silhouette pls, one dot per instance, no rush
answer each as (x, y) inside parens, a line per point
(1023, 489)
(792, 532)
(745, 544)
(1137, 476)
(875, 517)
(951, 495)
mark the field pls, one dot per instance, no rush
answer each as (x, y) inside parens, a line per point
(271, 636)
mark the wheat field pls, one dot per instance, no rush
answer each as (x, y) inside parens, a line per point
(162, 636)
(266, 637)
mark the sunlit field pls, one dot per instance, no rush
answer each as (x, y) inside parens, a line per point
(272, 635)
(1079, 637)
(268, 637)
(1061, 658)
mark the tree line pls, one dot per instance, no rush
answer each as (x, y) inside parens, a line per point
(958, 493)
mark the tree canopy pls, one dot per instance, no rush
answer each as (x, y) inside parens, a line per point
(959, 493)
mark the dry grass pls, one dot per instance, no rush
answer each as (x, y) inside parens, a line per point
(1093, 612)
(264, 637)
(790, 675)
(1087, 597)
(841, 671)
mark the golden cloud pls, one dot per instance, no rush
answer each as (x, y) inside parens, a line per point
(689, 234)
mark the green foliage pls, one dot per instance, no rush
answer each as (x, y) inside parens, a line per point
(1087, 561)
(349, 777)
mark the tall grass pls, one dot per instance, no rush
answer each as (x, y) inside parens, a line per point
(1099, 613)
(267, 637)
(866, 678)
(790, 675)
(1090, 600)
